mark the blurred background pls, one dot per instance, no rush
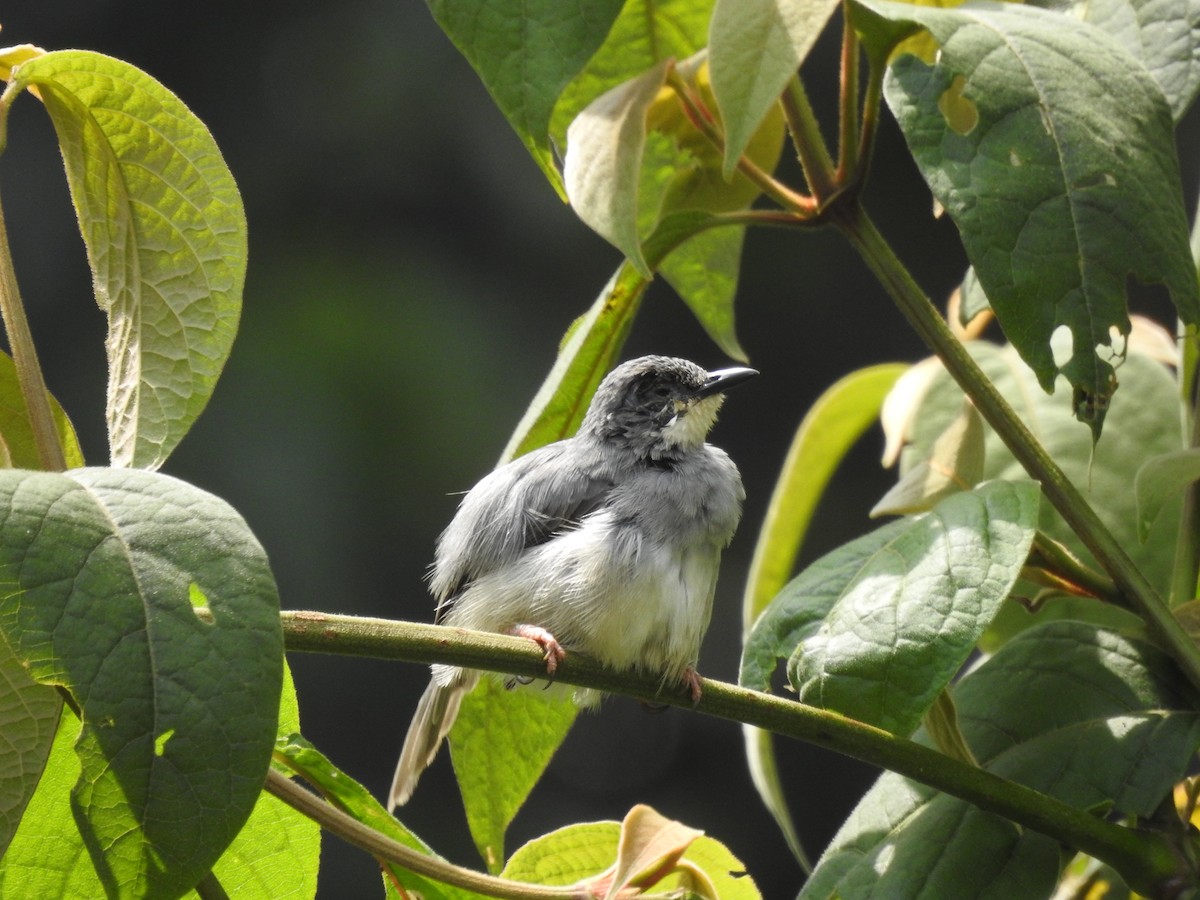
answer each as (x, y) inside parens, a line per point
(411, 274)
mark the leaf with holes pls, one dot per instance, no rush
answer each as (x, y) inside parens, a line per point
(1053, 150)
(98, 572)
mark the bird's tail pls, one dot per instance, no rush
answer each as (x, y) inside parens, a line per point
(431, 723)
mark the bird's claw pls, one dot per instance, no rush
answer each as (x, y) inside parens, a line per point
(552, 650)
(691, 681)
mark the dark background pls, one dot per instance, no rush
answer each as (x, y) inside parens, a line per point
(411, 274)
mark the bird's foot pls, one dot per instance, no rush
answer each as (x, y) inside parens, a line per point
(552, 650)
(691, 681)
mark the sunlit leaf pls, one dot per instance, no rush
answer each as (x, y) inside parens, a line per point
(166, 238)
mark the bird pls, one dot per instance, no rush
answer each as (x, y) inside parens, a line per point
(607, 543)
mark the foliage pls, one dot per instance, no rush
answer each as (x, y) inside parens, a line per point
(1016, 649)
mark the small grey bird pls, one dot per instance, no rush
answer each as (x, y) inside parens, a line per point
(607, 543)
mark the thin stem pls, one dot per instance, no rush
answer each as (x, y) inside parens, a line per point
(1187, 540)
(20, 339)
(1186, 571)
(849, 142)
(872, 104)
(1058, 489)
(1071, 575)
(383, 847)
(1144, 859)
(810, 145)
(703, 119)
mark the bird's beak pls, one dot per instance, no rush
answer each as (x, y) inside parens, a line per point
(723, 379)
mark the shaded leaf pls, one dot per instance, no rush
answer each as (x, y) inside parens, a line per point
(877, 628)
(646, 33)
(28, 719)
(166, 238)
(1160, 480)
(756, 47)
(501, 743)
(16, 430)
(1087, 716)
(1053, 151)
(954, 463)
(833, 424)
(526, 53)
(1145, 425)
(100, 566)
(1163, 34)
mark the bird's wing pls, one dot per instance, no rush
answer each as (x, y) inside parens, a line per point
(519, 505)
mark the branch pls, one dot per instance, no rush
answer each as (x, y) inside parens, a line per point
(383, 847)
(1145, 860)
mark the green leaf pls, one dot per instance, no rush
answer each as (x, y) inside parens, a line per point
(47, 857)
(581, 851)
(604, 162)
(28, 719)
(179, 714)
(1086, 716)
(1144, 425)
(16, 430)
(829, 429)
(1053, 151)
(356, 801)
(685, 175)
(954, 463)
(501, 743)
(526, 53)
(166, 238)
(876, 629)
(973, 300)
(275, 854)
(635, 157)
(1159, 481)
(278, 851)
(646, 33)
(1165, 37)
(704, 272)
(756, 47)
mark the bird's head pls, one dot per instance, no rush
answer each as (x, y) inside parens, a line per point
(659, 407)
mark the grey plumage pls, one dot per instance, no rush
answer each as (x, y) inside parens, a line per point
(610, 541)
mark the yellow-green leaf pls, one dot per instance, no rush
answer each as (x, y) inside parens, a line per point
(166, 239)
